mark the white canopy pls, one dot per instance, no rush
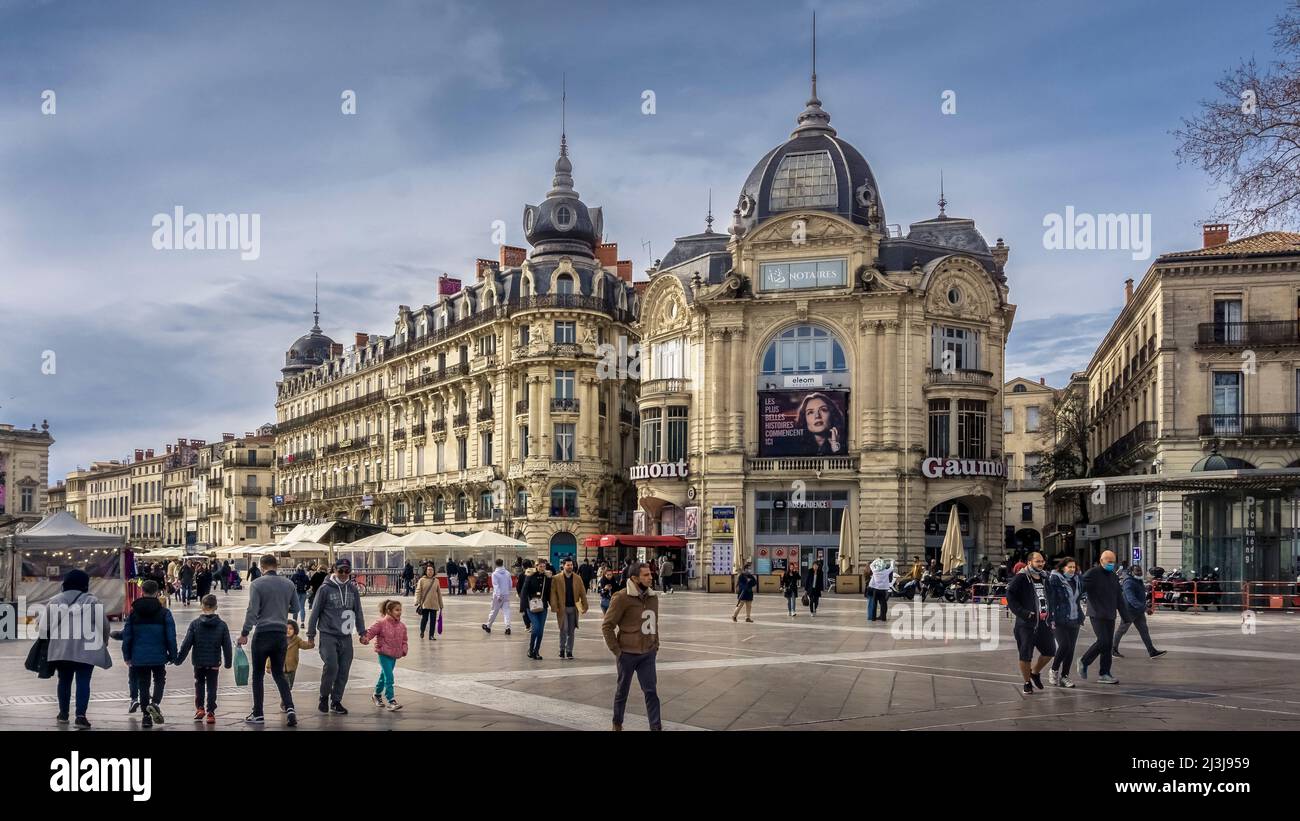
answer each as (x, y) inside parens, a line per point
(307, 533)
(62, 531)
(165, 553)
(296, 548)
(427, 538)
(490, 538)
(375, 541)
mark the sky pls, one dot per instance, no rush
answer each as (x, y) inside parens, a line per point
(236, 107)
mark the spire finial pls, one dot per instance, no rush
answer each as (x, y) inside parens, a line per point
(943, 203)
(316, 312)
(814, 55)
(814, 120)
(564, 114)
(562, 182)
(708, 221)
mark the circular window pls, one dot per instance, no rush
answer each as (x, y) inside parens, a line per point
(746, 205)
(672, 311)
(564, 218)
(530, 217)
(954, 295)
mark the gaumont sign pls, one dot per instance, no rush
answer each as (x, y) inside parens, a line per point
(936, 468)
(659, 470)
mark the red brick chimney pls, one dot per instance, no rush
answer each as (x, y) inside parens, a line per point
(148, 454)
(139, 455)
(1042, 380)
(607, 254)
(625, 270)
(361, 339)
(512, 257)
(1128, 291)
(336, 349)
(1213, 234)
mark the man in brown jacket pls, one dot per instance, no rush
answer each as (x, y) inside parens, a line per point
(631, 629)
(568, 602)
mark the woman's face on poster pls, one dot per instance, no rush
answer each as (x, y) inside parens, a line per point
(817, 417)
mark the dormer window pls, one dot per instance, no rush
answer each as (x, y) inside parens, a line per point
(565, 218)
(564, 285)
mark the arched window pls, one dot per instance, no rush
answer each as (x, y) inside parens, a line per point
(564, 502)
(805, 349)
(521, 502)
(1019, 389)
(564, 285)
(439, 507)
(461, 504)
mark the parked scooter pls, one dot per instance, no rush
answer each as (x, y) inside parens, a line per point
(904, 588)
(932, 586)
(958, 588)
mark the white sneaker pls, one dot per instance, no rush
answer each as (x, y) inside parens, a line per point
(393, 706)
(1107, 680)
(377, 699)
(1054, 677)
(1065, 682)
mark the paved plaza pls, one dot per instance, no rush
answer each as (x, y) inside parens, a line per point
(834, 672)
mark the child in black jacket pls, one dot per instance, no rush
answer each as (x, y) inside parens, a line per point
(209, 638)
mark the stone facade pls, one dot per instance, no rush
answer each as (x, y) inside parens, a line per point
(1024, 415)
(24, 475)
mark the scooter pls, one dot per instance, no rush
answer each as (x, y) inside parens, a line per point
(903, 588)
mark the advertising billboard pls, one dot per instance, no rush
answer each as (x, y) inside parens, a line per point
(803, 423)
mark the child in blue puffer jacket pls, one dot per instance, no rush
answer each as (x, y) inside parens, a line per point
(149, 645)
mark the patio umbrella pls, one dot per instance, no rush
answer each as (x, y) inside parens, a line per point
(953, 554)
(427, 538)
(846, 542)
(490, 538)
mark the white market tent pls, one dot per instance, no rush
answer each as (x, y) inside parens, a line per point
(306, 533)
(490, 538)
(428, 538)
(378, 540)
(35, 561)
(164, 553)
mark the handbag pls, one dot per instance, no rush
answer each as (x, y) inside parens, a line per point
(38, 659)
(440, 623)
(804, 600)
(536, 605)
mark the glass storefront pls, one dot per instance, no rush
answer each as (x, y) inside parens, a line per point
(1244, 535)
(807, 529)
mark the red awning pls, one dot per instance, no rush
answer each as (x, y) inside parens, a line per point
(623, 540)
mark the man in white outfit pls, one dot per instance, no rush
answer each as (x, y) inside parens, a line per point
(502, 584)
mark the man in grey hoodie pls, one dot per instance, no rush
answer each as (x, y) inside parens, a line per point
(336, 613)
(270, 599)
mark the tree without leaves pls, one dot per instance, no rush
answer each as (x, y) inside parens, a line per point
(1252, 146)
(1064, 434)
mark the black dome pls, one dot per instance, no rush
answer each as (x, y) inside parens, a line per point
(307, 351)
(813, 170)
(563, 223)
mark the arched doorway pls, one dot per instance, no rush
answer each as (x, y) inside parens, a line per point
(1027, 540)
(563, 545)
(936, 525)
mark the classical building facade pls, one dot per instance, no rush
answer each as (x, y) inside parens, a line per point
(237, 480)
(56, 498)
(1026, 407)
(181, 492)
(146, 501)
(504, 405)
(817, 361)
(75, 501)
(1194, 412)
(24, 475)
(108, 497)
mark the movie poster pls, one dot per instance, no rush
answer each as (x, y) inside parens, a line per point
(803, 423)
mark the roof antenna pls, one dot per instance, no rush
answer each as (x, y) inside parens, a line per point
(942, 202)
(564, 114)
(316, 313)
(814, 55)
(708, 221)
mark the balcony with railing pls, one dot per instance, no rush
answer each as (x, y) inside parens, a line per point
(659, 387)
(564, 405)
(626, 417)
(342, 491)
(330, 410)
(484, 413)
(303, 458)
(399, 434)
(1240, 334)
(804, 464)
(960, 377)
(438, 426)
(521, 407)
(461, 419)
(434, 376)
(1249, 425)
(574, 302)
(173, 512)
(249, 491)
(1123, 450)
(214, 510)
(418, 430)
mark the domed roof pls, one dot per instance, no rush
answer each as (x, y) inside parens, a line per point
(307, 351)
(813, 170)
(563, 223)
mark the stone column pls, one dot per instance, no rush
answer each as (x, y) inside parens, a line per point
(869, 384)
(893, 395)
(739, 377)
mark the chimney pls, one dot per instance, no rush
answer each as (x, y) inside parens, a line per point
(169, 449)
(1000, 253)
(227, 437)
(1128, 291)
(1042, 380)
(624, 269)
(148, 454)
(361, 339)
(139, 455)
(512, 257)
(483, 267)
(336, 349)
(607, 254)
(1213, 234)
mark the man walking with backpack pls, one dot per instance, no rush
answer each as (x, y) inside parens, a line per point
(336, 613)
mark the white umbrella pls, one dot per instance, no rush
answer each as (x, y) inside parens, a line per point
(428, 538)
(376, 540)
(953, 554)
(490, 538)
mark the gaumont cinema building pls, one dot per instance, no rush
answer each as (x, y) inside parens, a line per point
(817, 360)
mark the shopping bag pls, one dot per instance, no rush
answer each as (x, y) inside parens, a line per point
(241, 667)
(440, 622)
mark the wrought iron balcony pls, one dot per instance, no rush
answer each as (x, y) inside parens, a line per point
(485, 413)
(1238, 334)
(564, 405)
(461, 419)
(521, 406)
(1249, 424)
(1116, 457)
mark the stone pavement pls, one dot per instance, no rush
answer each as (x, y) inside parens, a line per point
(834, 672)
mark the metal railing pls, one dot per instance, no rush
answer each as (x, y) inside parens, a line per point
(1266, 332)
(960, 376)
(485, 413)
(1249, 424)
(1112, 457)
(330, 410)
(460, 419)
(564, 405)
(521, 407)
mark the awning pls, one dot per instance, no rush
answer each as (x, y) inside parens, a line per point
(1252, 479)
(627, 540)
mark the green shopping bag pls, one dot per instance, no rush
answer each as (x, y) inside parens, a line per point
(241, 667)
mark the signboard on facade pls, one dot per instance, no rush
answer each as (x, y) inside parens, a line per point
(1092, 531)
(724, 521)
(1137, 556)
(936, 468)
(723, 558)
(805, 381)
(692, 523)
(367, 501)
(690, 560)
(803, 423)
(638, 523)
(659, 470)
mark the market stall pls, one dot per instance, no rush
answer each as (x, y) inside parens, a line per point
(34, 562)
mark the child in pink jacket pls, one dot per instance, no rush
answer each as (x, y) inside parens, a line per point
(390, 644)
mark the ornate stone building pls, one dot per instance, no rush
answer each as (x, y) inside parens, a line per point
(816, 360)
(1024, 420)
(24, 475)
(503, 405)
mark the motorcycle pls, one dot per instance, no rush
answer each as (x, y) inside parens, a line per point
(959, 587)
(932, 585)
(1208, 591)
(1174, 590)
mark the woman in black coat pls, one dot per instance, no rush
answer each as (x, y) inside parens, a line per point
(790, 585)
(814, 582)
(203, 582)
